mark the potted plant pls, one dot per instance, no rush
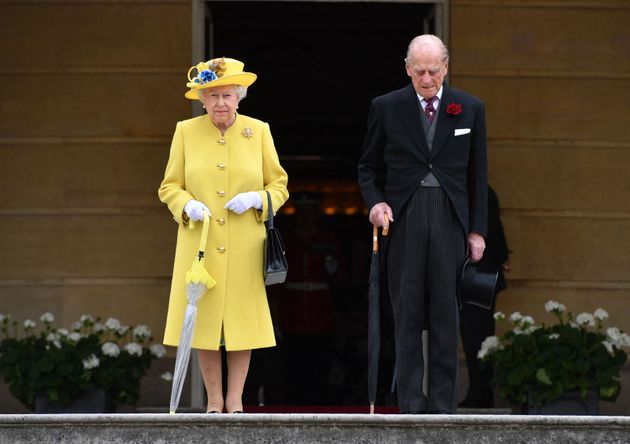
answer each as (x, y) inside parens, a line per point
(46, 366)
(535, 365)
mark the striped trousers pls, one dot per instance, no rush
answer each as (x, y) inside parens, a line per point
(425, 253)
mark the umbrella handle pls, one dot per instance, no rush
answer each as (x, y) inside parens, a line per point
(375, 237)
(204, 234)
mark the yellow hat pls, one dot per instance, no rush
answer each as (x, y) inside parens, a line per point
(217, 72)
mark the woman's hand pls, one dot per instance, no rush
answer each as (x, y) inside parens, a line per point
(244, 201)
(194, 209)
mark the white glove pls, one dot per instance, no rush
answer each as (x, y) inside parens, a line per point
(244, 201)
(194, 209)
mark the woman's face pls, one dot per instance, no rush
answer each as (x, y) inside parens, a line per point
(220, 103)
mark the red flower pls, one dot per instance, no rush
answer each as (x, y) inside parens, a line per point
(454, 109)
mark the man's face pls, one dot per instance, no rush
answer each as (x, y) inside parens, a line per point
(427, 69)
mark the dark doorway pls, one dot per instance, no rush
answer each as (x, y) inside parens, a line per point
(319, 65)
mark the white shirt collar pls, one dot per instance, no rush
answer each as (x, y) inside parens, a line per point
(435, 104)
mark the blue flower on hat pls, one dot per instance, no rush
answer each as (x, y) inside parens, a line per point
(207, 76)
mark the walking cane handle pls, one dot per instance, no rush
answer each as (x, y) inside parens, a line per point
(374, 238)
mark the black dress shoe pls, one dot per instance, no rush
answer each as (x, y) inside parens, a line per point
(413, 412)
(440, 412)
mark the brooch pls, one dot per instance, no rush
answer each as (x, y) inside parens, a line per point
(247, 132)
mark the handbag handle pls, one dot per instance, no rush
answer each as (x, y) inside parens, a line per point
(270, 210)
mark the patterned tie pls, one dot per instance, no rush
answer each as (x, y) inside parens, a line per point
(429, 111)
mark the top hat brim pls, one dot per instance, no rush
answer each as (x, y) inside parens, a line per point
(477, 283)
(242, 79)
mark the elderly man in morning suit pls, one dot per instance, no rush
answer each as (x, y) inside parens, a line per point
(423, 170)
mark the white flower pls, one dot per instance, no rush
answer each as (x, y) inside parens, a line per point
(112, 324)
(516, 317)
(86, 318)
(77, 326)
(601, 314)
(527, 320)
(2, 318)
(98, 327)
(553, 306)
(168, 376)
(29, 323)
(498, 316)
(91, 362)
(63, 332)
(122, 330)
(157, 350)
(613, 333)
(141, 332)
(74, 336)
(609, 347)
(531, 329)
(554, 336)
(585, 319)
(134, 349)
(489, 344)
(618, 339)
(52, 337)
(110, 349)
(47, 318)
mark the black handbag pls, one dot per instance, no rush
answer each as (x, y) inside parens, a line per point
(275, 264)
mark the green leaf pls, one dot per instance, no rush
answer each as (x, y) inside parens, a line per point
(543, 377)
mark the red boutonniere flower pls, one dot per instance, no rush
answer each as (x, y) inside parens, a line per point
(454, 109)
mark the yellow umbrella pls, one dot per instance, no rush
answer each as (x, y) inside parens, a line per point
(198, 281)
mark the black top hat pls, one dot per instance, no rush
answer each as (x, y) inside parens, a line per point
(477, 283)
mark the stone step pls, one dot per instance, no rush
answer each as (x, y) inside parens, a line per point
(311, 428)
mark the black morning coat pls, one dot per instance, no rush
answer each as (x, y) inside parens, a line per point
(396, 156)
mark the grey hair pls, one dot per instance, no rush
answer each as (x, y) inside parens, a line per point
(241, 92)
(427, 40)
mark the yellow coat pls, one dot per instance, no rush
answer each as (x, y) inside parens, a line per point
(201, 168)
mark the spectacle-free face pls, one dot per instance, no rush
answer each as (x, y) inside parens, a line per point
(427, 68)
(220, 103)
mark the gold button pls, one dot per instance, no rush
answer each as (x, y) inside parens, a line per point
(221, 249)
(221, 221)
(221, 141)
(221, 193)
(221, 166)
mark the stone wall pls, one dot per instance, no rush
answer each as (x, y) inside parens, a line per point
(555, 77)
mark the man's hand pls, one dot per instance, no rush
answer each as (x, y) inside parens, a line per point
(476, 245)
(381, 215)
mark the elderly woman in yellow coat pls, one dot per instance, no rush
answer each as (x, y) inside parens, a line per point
(223, 163)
